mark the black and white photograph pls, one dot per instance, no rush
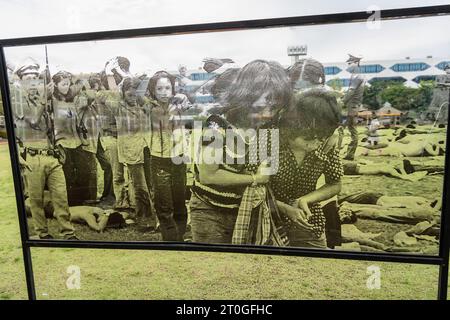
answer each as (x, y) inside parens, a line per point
(315, 137)
(224, 151)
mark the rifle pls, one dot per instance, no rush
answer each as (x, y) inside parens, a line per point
(48, 112)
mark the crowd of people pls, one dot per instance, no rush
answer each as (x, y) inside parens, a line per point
(264, 163)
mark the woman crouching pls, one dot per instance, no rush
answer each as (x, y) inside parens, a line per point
(307, 151)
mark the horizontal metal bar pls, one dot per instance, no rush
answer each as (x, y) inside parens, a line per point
(283, 251)
(321, 19)
(239, 25)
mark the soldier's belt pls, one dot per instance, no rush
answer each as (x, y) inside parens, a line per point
(45, 152)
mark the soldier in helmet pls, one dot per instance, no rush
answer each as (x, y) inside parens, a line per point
(352, 101)
(39, 158)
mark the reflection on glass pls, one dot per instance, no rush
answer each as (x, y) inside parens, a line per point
(202, 138)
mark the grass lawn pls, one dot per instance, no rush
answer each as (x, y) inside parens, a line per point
(121, 274)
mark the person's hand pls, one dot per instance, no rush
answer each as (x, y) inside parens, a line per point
(100, 97)
(50, 88)
(331, 143)
(302, 204)
(45, 92)
(297, 216)
(180, 101)
(140, 100)
(180, 98)
(23, 164)
(82, 101)
(261, 177)
(111, 65)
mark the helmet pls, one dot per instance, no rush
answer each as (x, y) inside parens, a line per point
(28, 67)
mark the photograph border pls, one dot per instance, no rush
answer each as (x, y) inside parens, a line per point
(440, 260)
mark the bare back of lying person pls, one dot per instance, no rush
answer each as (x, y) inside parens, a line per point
(432, 165)
(431, 135)
(397, 149)
(400, 209)
(411, 145)
(411, 129)
(96, 218)
(387, 169)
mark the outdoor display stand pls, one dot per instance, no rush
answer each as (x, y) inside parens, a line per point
(440, 260)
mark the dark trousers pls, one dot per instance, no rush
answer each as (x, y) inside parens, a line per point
(333, 231)
(351, 126)
(210, 224)
(80, 171)
(107, 171)
(169, 185)
(141, 182)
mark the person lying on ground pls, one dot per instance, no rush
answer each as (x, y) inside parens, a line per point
(398, 171)
(414, 130)
(96, 218)
(430, 164)
(397, 149)
(400, 209)
(406, 138)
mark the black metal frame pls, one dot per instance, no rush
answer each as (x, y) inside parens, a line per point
(418, 12)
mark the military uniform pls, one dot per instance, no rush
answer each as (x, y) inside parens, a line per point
(106, 104)
(77, 167)
(99, 121)
(88, 131)
(35, 141)
(133, 127)
(438, 109)
(352, 100)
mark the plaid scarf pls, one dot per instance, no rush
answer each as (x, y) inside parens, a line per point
(268, 229)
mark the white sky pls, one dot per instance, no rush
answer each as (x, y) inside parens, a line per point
(394, 39)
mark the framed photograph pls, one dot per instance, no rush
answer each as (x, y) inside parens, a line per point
(320, 136)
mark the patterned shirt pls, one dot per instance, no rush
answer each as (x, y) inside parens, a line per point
(293, 180)
(228, 197)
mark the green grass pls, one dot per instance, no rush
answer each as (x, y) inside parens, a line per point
(122, 274)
